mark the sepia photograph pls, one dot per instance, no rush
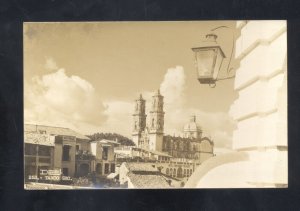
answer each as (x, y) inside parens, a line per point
(155, 105)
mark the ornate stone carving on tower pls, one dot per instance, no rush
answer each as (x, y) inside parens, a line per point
(156, 127)
(150, 137)
(139, 120)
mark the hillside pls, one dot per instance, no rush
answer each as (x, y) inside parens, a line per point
(112, 136)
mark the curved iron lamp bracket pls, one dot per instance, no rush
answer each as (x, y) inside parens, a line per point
(213, 85)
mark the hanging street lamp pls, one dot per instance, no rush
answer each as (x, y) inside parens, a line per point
(208, 59)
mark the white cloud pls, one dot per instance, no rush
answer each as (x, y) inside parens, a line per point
(62, 100)
(172, 87)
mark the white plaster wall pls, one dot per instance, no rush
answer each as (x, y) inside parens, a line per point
(262, 47)
(255, 31)
(123, 174)
(261, 108)
(94, 148)
(265, 59)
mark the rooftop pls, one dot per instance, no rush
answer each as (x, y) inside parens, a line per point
(141, 167)
(148, 181)
(51, 130)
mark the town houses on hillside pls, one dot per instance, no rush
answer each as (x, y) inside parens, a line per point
(61, 156)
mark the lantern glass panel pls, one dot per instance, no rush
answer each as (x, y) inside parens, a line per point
(218, 63)
(205, 62)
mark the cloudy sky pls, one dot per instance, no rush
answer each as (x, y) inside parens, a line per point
(86, 76)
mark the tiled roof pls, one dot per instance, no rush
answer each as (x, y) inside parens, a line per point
(141, 167)
(53, 130)
(148, 181)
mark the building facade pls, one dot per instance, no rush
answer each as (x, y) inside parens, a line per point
(60, 154)
(38, 154)
(105, 159)
(66, 152)
(133, 153)
(196, 149)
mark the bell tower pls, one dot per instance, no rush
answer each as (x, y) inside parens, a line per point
(156, 124)
(139, 120)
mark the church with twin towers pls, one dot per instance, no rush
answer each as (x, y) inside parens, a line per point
(151, 136)
(192, 145)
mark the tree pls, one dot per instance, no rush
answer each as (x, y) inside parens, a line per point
(112, 136)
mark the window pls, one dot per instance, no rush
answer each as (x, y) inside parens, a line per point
(167, 171)
(112, 167)
(66, 153)
(105, 153)
(65, 171)
(174, 172)
(77, 147)
(30, 149)
(106, 168)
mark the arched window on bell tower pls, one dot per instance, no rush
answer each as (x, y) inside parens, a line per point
(157, 113)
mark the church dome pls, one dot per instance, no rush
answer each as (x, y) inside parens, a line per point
(192, 126)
